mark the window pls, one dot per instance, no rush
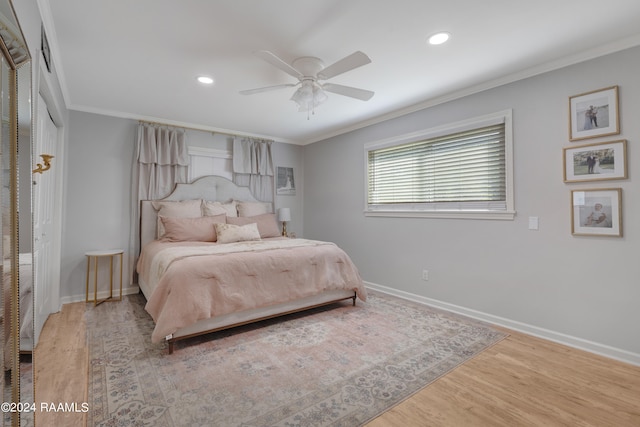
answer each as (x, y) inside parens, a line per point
(209, 161)
(463, 170)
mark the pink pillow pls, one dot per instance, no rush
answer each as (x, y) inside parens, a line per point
(201, 229)
(177, 209)
(267, 224)
(253, 208)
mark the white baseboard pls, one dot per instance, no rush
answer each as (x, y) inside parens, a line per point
(101, 295)
(571, 341)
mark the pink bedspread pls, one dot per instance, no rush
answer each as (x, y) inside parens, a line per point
(195, 284)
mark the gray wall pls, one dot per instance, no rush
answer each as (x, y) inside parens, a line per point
(98, 190)
(581, 290)
(98, 181)
(287, 155)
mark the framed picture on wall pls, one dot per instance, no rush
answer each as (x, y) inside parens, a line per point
(595, 162)
(594, 114)
(44, 46)
(285, 182)
(596, 212)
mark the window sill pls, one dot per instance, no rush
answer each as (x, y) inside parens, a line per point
(494, 215)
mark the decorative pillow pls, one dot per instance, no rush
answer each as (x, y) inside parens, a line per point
(229, 233)
(267, 224)
(176, 209)
(200, 229)
(217, 208)
(253, 208)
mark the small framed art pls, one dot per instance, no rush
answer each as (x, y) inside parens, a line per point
(596, 212)
(285, 182)
(44, 46)
(594, 114)
(595, 162)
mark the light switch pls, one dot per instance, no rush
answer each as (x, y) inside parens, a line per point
(533, 223)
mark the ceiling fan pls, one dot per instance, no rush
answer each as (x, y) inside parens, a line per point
(310, 72)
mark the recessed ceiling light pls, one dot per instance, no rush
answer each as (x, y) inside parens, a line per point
(439, 38)
(205, 80)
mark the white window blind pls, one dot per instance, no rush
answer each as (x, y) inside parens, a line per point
(465, 170)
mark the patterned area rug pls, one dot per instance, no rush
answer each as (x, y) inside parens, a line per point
(334, 366)
(26, 392)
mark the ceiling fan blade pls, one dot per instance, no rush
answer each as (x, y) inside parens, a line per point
(278, 63)
(348, 63)
(266, 89)
(349, 91)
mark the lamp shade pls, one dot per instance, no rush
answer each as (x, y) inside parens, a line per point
(284, 214)
(308, 96)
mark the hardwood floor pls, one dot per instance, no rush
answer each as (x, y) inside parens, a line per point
(521, 381)
(62, 366)
(526, 381)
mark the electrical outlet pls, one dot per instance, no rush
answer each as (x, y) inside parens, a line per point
(425, 274)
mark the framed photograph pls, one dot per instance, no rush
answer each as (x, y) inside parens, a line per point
(594, 114)
(596, 212)
(44, 46)
(285, 182)
(595, 162)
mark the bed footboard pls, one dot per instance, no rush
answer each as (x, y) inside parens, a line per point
(172, 339)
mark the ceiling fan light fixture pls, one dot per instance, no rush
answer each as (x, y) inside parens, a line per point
(439, 38)
(308, 96)
(309, 71)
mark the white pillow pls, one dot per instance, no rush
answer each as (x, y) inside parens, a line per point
(253, 208)
(217, 208)
(229, 233)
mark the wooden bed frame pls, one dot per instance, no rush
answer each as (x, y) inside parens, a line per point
(216, 188)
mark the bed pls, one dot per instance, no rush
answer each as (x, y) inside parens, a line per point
(213, 258)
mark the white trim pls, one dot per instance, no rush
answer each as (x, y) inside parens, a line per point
(496, 118)
(568, 340)
(499, 215)
(177, 123)
(609, 48)
(129, 290)
(577, 58)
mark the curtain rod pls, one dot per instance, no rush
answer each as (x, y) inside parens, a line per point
(205, 130)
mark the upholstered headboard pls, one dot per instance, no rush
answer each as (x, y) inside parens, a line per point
(212, 188)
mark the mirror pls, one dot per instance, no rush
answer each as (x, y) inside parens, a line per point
(16, 298)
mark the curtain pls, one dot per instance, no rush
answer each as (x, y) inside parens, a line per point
(253, 166)
(160, 161)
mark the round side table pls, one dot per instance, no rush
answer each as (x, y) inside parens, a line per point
(95, 256)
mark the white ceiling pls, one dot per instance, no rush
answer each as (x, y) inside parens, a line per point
(139, 58)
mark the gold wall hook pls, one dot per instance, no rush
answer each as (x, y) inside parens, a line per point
(46, 165)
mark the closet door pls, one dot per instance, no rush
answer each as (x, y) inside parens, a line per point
(47, 280)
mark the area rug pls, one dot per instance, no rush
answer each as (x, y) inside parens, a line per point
(26, 392)
(334, 366)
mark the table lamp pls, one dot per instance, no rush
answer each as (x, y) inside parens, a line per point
(284, 215)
